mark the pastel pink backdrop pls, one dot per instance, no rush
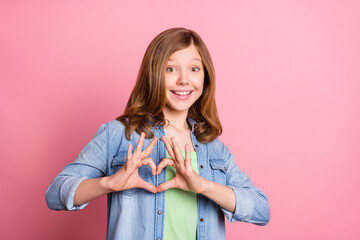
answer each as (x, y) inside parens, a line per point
(287, 93)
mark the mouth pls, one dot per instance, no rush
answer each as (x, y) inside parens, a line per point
(182, 93)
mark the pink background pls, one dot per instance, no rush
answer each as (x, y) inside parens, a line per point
(287, 93)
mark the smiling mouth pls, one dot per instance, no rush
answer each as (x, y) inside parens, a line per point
(182, 93)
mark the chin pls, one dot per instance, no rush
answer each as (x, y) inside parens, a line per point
(178, 108)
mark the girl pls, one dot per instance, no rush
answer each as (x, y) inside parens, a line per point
(165, 172)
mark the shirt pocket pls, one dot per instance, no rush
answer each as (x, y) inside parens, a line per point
(218, 171)
(117, 163)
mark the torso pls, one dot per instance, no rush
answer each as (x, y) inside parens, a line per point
(182, 137)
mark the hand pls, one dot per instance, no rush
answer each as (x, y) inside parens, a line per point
(128, 176)
(186, 178)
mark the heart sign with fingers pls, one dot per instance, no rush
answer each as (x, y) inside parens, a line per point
(128, 176)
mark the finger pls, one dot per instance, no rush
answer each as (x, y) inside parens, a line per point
(166, 185)
(129, 153)
(187, 158)
(179, 157)
(168, 146)
(139, 146)
(164, 163)
(149, 148)
(148, 186)
(150, 163)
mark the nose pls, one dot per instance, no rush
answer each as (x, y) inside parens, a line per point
(183, 79)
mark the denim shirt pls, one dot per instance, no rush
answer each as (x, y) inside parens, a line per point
(139, 214)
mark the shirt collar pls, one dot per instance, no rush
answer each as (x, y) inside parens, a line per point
(191, 123)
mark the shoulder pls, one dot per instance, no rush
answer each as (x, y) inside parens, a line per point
(114, 133)
(116, 130)
(113, 129)
(116, 126)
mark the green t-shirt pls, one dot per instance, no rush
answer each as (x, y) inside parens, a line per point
(180, 207)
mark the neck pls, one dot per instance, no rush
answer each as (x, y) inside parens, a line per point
(177, 119)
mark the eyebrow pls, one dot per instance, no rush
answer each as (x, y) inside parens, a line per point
(194, 59)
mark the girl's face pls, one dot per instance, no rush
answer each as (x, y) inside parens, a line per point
(184, 79)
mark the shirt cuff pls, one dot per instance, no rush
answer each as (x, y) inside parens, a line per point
(244, 206)
(67, 193)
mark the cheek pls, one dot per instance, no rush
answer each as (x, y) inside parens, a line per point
(200, 83)
(167, 95)
(169, 80)
(200, 88)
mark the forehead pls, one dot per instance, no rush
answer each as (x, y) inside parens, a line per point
(187, 54)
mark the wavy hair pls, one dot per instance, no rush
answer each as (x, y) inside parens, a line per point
(147, 99)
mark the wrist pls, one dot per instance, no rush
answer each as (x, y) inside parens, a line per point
(116, 182)
(204, 186)
(106, 184)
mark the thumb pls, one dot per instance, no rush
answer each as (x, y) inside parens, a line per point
(148, 186)
(166, 185)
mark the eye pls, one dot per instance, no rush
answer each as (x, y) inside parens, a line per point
(170, 69)
(195, 69)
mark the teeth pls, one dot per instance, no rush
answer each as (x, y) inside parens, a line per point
(182, 93)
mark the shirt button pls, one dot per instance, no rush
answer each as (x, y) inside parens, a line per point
(196, 145)
(158, 239)
(201, 166)
(159, 212)
(201, 219)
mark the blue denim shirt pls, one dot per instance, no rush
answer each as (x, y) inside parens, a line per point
(139, 214)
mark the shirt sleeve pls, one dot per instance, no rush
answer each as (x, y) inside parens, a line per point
(251, 203)
(90, 163)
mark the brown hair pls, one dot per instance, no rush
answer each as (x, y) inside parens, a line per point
(144, 107)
